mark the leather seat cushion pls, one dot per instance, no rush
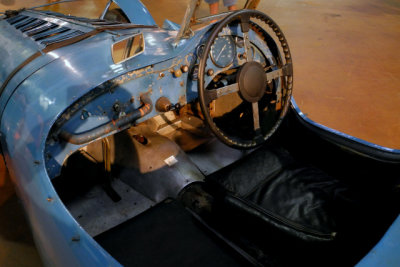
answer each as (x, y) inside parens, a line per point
(275, 188)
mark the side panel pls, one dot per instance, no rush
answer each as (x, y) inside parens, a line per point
(14, 49)
(26, 122)
(28, 116)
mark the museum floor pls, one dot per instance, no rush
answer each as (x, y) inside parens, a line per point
(346, 64)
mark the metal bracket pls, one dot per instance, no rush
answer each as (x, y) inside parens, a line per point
(103, 15)
(251, 4)
(187, 21)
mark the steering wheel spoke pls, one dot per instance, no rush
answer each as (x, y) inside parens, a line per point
(256, 116)
(286, 70)
(245, 27)
(245, 22)
(213, 94)
(258, 137)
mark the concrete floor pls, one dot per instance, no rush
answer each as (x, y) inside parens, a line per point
(347, 68)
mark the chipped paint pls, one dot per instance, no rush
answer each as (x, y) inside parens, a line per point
(150, 70)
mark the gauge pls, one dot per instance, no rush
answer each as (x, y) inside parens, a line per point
(223, 51)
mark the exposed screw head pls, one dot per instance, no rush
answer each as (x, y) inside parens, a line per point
(210, 72)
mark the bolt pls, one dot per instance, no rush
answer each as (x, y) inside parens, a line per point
(177, 73)
(116, 107)
(85, 114)
(185, 68)
(210, 72)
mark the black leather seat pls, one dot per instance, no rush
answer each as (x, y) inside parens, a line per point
(272, 187)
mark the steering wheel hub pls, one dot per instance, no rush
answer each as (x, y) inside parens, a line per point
(252, 81)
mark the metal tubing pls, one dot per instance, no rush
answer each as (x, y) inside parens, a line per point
(85, 137)
(186, 23)
(251, 4)
(103, 15)
(54, 3)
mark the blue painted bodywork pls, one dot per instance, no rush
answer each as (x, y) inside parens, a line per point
(36, 97)
(38, 94)
(386, 252)
(136, 12)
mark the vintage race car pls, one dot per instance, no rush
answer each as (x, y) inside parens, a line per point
(138, 145)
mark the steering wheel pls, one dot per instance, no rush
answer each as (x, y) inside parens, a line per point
(262, 76)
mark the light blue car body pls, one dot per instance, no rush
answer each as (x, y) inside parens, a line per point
(40, 92)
